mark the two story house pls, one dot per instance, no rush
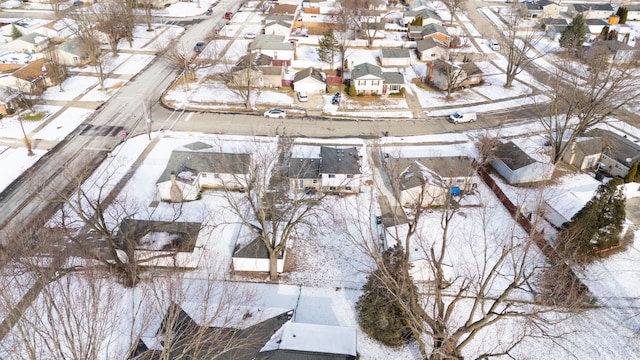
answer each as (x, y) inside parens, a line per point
(369, 79)
(332, 170)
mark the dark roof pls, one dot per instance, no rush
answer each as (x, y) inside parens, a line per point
(595, 7)
(393, 77)
(471, 68)
(302, 168)
(364, 69)
(556, 22)
(595, 22)
(278, 22)
(310, 72)
(429, 43)
(425, 13)
(339, 160)
(395, 53)
(514, 157)
(434, 28)
(256, 59)
(203, 160)
(281, 17)
(445, 166)
(544, 3)
(589, 146)
(617, 147)
(256, 249)
(271, 70)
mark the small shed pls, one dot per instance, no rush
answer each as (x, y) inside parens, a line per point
(395, 57)
(254, 256)
(516, 167)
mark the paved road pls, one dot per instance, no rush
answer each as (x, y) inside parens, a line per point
(26, 204)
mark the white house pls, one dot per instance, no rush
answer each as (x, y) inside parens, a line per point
(561, 208)
(29, 43)
(311, 80)
(369, 79)
(633, 12)
(395, 57)
(431, 49)
(31, 78)
(513, 164)
(429, 180)
(275, 46)
(196, 166)
(24, 26)
(278, 27)
(325, 169)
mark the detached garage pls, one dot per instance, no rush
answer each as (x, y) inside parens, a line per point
(513, 164)
(311, 80)
(395, 57)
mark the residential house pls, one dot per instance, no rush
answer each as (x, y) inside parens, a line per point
(434, 31)
(369, 79)
(30, 43)
(278, 27)
(549, 9)
(31, 78)
(594, 28)
(256, 70)
(442, 74)
(194, 167)
(395, 57)
(60, 29)
(534, 10)
(560, 208)
(516, 167)
(431, 49)
(430, 180)
(311, 341)
(278, 17)
(200, 329)
(590, 11)
(614, 50)
(615, 155)
(72, 53)
(311, 80)
(8, 99)
(428, 17)
(417, 5)
(633, 12)
(24, 26)
(554, 29)
(331, 169)
(275, 46)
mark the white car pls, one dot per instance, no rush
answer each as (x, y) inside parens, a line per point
(250, 35)
(458, 117)
(302, 96)
(494, 45)
(275, 113)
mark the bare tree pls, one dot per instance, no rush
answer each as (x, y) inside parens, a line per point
(147, 7)
(245, 78)
(266, 207)
(116, 20)
(578, 104)
(56, 70)
(188, 61)
(89, 38)
(520, 46)
(454, 6)
(345, 31)
(365, 14)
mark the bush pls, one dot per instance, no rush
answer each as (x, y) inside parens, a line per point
(632, 175)
(351, 91)
(11, 111)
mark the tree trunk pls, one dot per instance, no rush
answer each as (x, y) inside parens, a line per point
(273, 266)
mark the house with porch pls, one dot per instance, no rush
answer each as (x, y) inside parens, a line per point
(197, 166)
(369, 79)
(443, 74)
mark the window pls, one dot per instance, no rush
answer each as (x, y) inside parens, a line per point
(349, 176)
(333, 188)
(433, 54)
(459, 180)
(347, 187)
(315, 181)
(331, 176)
(204, 175)
(300, 184)
(375, 83)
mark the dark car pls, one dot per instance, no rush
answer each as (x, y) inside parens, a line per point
(200, 45)
(378, 220)
(209, 11)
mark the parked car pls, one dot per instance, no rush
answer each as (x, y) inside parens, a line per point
(302, 96)
(200, 45)
(378, 220)
(275, 113)
(209, 11)
(494, 45)
(458, 117)
(250, 35)
(228, 15)
(78, 3)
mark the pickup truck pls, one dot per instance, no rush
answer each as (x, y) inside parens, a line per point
(458, 117)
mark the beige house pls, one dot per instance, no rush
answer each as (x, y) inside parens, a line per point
(431, 49)
(256, 70)
(29, 43)
(278, 27)
(195, 167)
(442, 74)
(72, 53)
(31, 78)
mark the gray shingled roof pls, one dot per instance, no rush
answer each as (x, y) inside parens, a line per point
(395, 53)
(309, 72)
(303, 168)
(514, 157)
(434, 28)
(429, 43)
(339, 160)
(364, 69)
(278, 22)
(256, 249)
(594, 7)
(618, 147)
(270, 42)
(393, 77)
(203, 160)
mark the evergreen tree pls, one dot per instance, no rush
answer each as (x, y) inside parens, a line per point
(598, 224)
(632, 175)
(573, 36)
(604, 34)
(380, 315)
(328, 47)
(622, 12)
(417, 21)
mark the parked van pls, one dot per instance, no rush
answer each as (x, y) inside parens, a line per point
(458, 117)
